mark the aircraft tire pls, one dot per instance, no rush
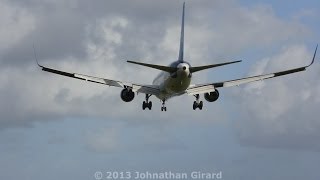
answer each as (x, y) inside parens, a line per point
(195, 105)
(200, 105)
(144, 105)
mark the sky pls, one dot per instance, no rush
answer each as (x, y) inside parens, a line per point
(52, 127)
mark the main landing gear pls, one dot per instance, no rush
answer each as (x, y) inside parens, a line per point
(164, 108)
(147, 103)
(197, 103)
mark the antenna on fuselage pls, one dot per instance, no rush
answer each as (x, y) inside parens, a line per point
(180, 59)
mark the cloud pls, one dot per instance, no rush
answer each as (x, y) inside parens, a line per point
(16, 22)
(105, 141)
(113, 140)
(96, 38)
(281, 113)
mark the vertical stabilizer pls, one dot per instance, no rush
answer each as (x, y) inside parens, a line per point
(182, 36)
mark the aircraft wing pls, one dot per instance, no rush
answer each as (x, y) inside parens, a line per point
(146, 89)
(206, 88)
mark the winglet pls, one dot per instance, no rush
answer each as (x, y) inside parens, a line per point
(314, 56)
(35, 56)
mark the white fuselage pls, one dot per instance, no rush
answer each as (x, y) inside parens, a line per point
(173, 84)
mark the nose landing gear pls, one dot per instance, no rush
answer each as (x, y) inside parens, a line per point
(197, 103)
(164, 108)
(147, 103)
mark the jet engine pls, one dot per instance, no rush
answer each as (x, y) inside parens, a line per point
(127, 95)
(212, 96)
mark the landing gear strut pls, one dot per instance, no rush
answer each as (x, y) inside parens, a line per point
(147, 103)
(197, 103)
(164, 108)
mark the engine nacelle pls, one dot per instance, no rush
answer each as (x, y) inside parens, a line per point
(127, 95)
(212, 96)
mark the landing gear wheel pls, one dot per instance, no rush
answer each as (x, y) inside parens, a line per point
(147, 103)
(200, 105)
(150, 105)
(163, 108)
(195, 105)
(144, 105)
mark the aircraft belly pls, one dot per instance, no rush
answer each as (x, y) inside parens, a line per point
(174, 87)
(170, 87)
(177, 85)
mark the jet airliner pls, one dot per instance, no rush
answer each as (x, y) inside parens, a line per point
(174, 80)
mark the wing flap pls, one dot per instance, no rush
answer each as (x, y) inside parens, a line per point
(200, 89)
(147, 89)
(100, 80)
(206, 88)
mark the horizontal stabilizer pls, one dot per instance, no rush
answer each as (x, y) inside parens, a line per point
(159, 67)
(200, 68)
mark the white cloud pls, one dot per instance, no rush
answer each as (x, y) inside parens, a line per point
(104, 141)
(230, 28)
(148, 137)
(16, 23)
(283, 110)
(102, 42)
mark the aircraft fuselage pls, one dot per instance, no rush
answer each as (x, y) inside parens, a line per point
(174, 84)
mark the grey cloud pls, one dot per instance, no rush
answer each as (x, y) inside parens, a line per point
(282, 113)
(88, 37)
(60, 27)
(111, 139)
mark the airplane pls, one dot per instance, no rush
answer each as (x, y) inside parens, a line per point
(174, 80)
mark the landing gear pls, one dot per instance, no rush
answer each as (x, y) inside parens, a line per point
(147, 103)
(163, 108)
(197, 103)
